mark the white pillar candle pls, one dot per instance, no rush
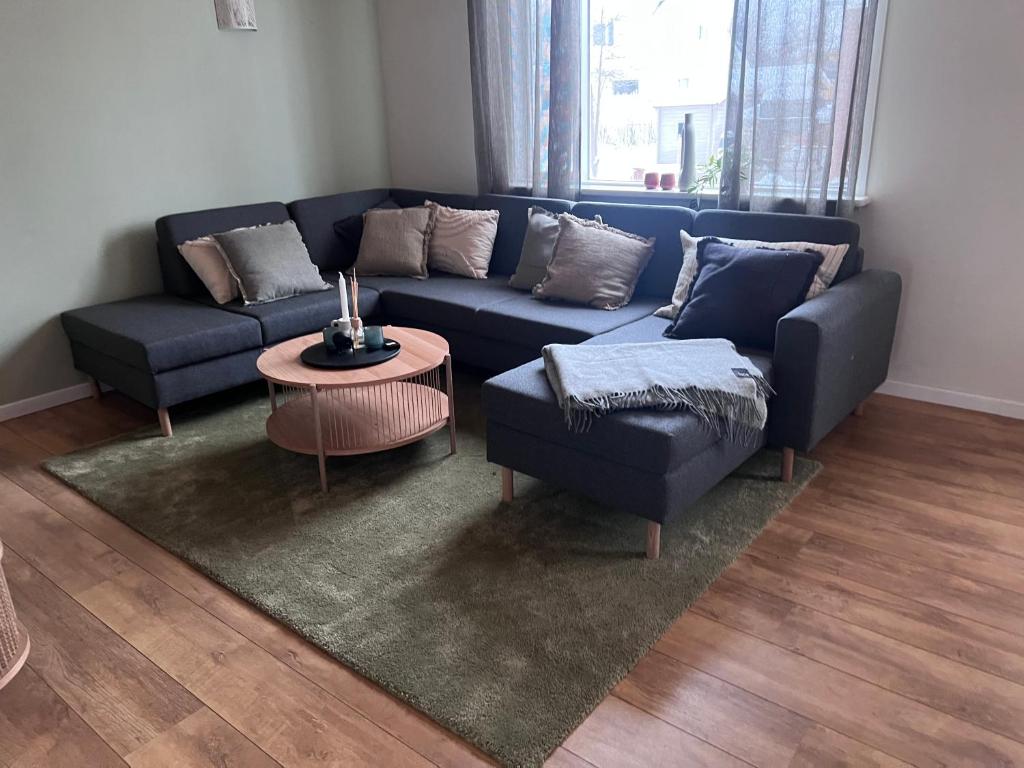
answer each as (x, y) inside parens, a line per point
(343, 294)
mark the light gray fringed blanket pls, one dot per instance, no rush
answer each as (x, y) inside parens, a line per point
(707, 376)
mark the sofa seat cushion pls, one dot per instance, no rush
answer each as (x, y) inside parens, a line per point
(298, 315)
(535, 323)
(159, 333)
(444, 301)
(652, 329)
(649, 328)
(649, 440)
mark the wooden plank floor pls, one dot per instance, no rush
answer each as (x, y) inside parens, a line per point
(878, 621)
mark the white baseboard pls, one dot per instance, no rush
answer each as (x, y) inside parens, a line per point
(1011, 408)
(46, 400)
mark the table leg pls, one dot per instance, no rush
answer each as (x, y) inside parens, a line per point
(321, 457)
(508, 485)
(165, 421)
(273, 395)
(451, 403)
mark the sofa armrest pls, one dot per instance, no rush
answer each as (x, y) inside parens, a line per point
(830, 354)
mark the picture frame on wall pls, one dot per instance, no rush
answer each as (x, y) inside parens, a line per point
(236, 14)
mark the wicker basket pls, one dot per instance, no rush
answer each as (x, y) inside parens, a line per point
(14, 642)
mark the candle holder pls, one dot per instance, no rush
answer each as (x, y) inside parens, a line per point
(357, 332)
(343, 301)
(373, 337)
(338, 338)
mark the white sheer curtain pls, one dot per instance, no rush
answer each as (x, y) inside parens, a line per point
(795, 111)
(525, 59)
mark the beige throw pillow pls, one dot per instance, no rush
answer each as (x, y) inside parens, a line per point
(687, 272)
(395, 242)
(594, 264)
(207, 261)
(823, 278)
(461, 241)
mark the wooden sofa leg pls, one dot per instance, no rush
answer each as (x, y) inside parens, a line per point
(653, 540)
(859, 410)
(788, 456)
(94, 388)
(507, 485)
(165, 421)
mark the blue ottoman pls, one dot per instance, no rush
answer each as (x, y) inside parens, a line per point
(651, 463)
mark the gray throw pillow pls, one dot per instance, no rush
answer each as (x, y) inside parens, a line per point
(538, 247)
(395, 242)
(269, 262)
(594, 264)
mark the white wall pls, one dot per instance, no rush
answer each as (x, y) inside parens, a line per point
(946, 183)
(424, 49)
(115, 112)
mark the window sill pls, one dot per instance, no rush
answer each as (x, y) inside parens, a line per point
(612, 191)
(630, 190)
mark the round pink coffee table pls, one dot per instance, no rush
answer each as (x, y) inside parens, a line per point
(325, 412)
(14, 642)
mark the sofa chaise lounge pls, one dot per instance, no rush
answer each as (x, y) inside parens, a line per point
(829, 354)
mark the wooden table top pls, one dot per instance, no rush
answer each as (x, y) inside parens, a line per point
(421, 351)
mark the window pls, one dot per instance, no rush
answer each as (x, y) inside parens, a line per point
(646, 64)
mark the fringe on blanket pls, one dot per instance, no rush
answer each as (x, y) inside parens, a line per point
(726, 414)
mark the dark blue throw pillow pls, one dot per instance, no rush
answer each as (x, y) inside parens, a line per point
(740, 293)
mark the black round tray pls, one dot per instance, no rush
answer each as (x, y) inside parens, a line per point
(319, 356)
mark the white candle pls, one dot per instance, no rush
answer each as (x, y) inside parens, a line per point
(343, 295)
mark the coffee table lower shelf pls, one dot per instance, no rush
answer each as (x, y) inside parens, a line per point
(353, 420)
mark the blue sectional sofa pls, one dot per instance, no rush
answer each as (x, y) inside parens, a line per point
(829, 354)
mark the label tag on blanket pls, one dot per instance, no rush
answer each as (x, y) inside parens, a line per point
(764, 389)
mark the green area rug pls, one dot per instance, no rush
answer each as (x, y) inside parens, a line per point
(505, 623)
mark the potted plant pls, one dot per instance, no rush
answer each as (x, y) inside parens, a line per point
(709, 177)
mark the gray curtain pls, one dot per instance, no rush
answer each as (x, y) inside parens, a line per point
(525, 61)
(795, 114)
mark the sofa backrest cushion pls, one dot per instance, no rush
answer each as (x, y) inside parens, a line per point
(512, 220)
(315, 217)
(852, 264)
(783, 227)
(408, 198)
(176, 228)
(661, 222)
